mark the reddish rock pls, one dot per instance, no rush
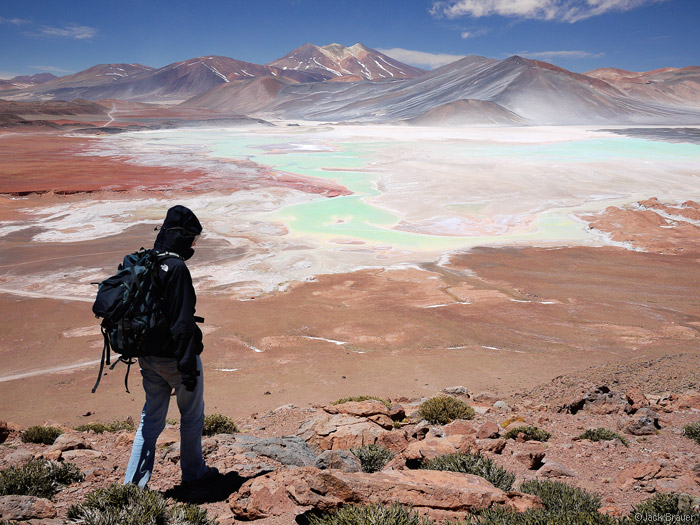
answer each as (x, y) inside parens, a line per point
(17, 458)
(441, 495)
(689, 399)
(339, 432)
(639, 472)
(430, 448)
(368, 408)
(636, 400)
(553, 469)
(69, 441)
(491, 445)
(383, 421)
(531, 455)
(645, 423)
(71, 455)
(395, 440)
(488, 430)
(684, 484)
(397, 412)
(486, 398)
(458, 427)
(53, 455)
(21, 508)
(338, 460)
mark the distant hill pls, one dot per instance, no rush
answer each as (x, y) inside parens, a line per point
(670, 85)
(25, 81)
(189, 78)
(467, 113)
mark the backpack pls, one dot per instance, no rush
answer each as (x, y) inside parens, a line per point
(130, 304)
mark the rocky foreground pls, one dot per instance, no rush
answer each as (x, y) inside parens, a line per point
(291, 461)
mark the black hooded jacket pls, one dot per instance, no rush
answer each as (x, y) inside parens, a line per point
(179, 230)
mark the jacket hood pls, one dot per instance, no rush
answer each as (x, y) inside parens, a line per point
(179, 229)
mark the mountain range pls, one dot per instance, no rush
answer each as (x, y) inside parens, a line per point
(356, 83)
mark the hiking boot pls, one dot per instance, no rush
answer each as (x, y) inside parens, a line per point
(210, 474)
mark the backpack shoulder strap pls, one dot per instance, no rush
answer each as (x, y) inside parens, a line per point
(166, 255)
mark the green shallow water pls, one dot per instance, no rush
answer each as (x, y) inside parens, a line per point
(349, 162)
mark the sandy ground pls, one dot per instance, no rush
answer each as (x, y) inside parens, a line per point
(499, 319)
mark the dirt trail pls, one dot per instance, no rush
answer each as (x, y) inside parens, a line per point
(40, 295)
(45, 371)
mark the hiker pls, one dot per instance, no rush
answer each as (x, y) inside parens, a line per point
(173, 362)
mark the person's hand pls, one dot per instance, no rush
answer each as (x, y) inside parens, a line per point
(189, 381)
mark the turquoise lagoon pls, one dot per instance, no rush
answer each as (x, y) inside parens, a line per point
(360, 165)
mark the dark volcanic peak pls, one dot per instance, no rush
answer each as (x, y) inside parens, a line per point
(335, 60)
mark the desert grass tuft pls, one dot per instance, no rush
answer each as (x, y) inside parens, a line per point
(502, 515)
(99, 428)
(473, 464)
(40, 478)
(41, 434)
(218, 424)
(441, 410)
(668, 508)
(531, 433)
(602, 434)
(372, 457)
(561, 497)
(374, 513)
(131, 505)
(692, 431)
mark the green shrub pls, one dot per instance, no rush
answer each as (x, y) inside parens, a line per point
(501, 515)
(669, 508)
(372, 457)
(441, 410)
(473, 464)
(563, 505)
(38, 478)
(531, 433)
(130, 505)
(218, 424)
(374, 513)
(692, 431)
(99, 428)
(386, 402)
(561, 497)
(39, 434)
(602, 434)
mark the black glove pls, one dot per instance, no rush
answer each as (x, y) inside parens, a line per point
(190, 381)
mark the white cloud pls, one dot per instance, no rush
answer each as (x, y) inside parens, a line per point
(549, 55)
(420, 58)
(559, 10)
(466, 34)
(72, 31)
(13, 21)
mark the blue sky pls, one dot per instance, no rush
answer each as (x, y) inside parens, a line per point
(66, 36)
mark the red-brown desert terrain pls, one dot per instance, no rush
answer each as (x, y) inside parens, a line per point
(537, 327)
